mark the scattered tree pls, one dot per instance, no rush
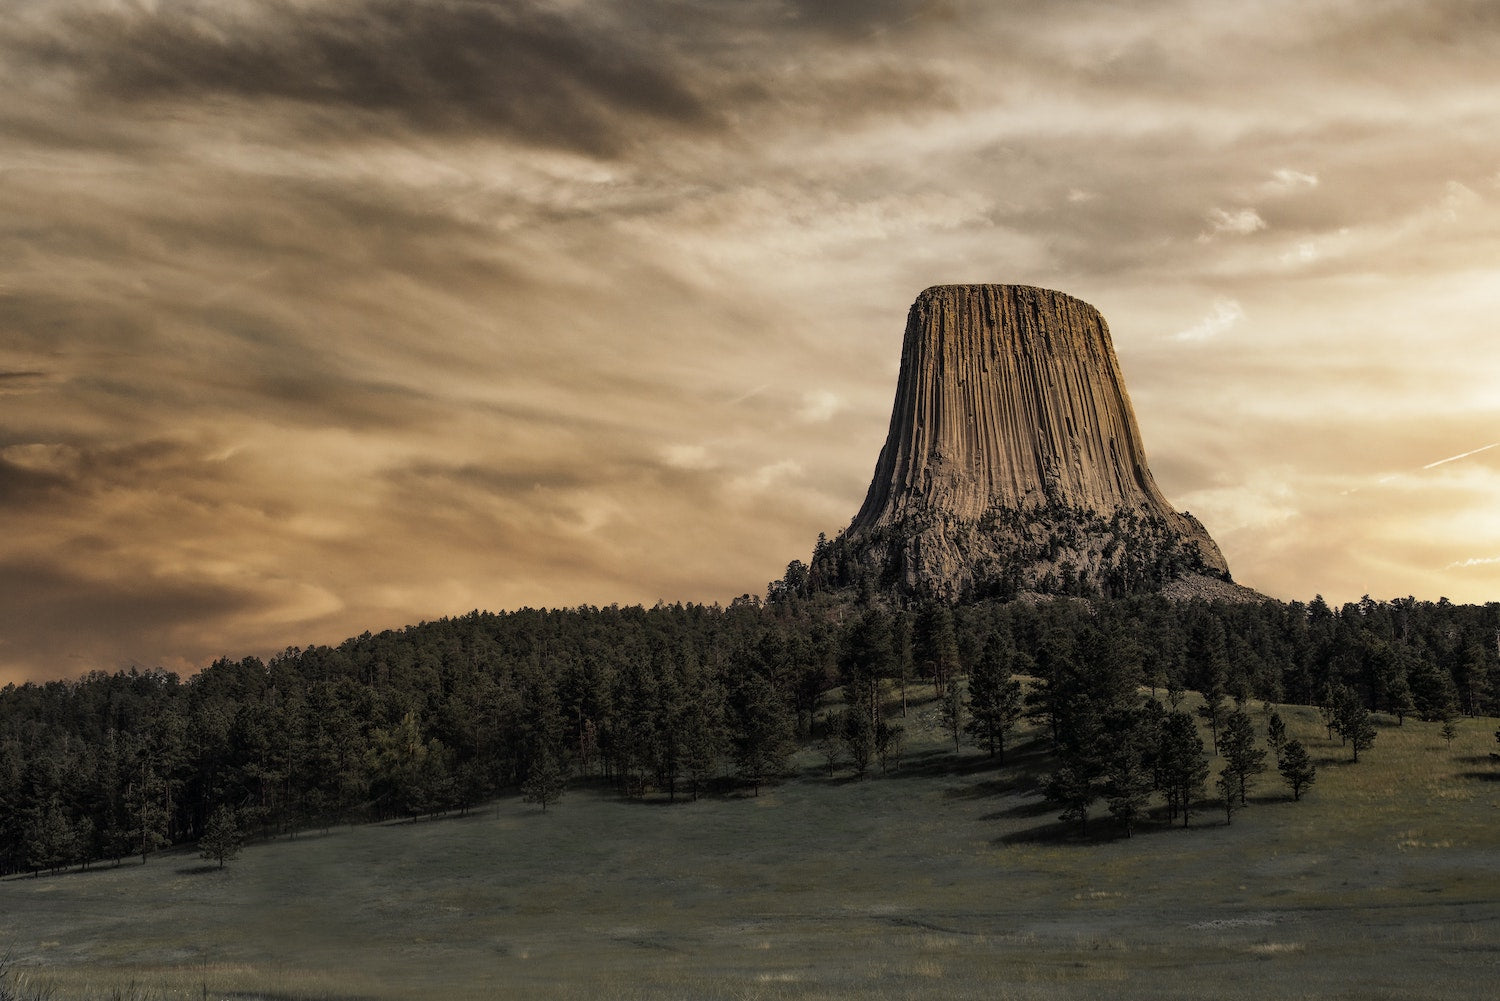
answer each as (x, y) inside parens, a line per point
(995, 702)
(546, 781)
(1243, 761)
(1229, 794)
(831, 740)
(222, 838)
(890, 738)
(952, 714)
(1296, 767)
(1275, 732)
(1183, 769)
(1359, 728)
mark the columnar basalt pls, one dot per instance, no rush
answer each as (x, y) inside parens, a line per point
(1014, 462)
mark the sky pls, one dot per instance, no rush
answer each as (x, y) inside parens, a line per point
(319, 316)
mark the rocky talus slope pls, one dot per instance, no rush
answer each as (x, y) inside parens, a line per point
(1014, 463)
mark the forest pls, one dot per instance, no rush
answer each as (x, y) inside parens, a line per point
(682, 701)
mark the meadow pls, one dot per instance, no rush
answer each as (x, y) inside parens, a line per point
(948, 878)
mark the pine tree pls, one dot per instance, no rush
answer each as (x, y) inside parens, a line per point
(148, 813)
(546, 779)
(995, 703)
(1275, 732)
(765, 735)
(1228, 785)
(222, 837)
(1127, 780)
(1243, 761)
(1358, 727)
(952, 714)
(1449, 731)
(831, 740)
(1296, 767)
(1181, 764)
(858, 734)
(889, 740)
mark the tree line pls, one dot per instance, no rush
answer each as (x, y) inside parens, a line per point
(677, 701)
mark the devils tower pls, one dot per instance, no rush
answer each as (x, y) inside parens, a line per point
(1014, 464)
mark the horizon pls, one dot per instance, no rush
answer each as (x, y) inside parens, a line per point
(327, 317)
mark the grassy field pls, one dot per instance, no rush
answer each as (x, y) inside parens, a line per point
(947, 879)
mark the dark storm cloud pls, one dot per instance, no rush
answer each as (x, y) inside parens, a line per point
(507, 68)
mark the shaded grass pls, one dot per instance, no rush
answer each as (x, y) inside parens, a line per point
(950, 878)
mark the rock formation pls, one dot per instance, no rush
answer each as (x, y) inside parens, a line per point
(1014, 463)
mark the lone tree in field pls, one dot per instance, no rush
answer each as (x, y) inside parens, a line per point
(1296, 767)
(1358, 727)
(544, 784)
(1275, 732)
(222, 837)
(1449, 730)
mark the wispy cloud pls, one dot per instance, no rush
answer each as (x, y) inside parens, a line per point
(1225, 315)
(1475, 561)
(819, 407)
(1235, 222)
(1285, 180)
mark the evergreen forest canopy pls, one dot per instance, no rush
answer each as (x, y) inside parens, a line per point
(676, 700)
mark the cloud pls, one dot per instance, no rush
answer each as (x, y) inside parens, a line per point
(517, 69)
(819, 407)
(686, 456)
(1284, 180)
(1240, 222)
(1474, 561)
(1224, 316)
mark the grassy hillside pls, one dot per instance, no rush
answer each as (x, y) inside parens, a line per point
(947, 879)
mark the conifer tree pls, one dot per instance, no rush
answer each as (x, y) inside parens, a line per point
(546, 779)
(995, 704)
(221, 838)
(1275, 732)
(1243, 761)
(765, 733)
(1296, 767)
(951, 712)
(1181, 763)
(831, 740)
(1229, 794)
(1358, 727)
(889, 740)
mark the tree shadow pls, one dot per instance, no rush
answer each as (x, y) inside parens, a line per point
(1480, 776)
(1030, 808)
(197, 870)
(1338, 762)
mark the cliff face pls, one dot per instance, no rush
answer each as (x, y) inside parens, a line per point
(1013, 460)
